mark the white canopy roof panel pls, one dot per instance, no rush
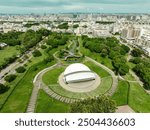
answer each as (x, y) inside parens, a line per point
(77, 67)
(78, 72)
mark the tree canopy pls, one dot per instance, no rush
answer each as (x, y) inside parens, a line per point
(109, 47)
(100, 104)
(10, 78)
(142, 69)
(3, 88)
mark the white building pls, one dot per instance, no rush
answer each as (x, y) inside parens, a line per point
(130, 33)
(78, 73)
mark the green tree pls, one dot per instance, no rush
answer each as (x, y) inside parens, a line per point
(63, 26)
(48, 59)
(3, 88)
(43, 46)
(76, 26)
(142, 69)
(20, 69)
(10, 78)
(104, 52)
(120, 65)
(37, 53)
(100, 104)
(125, 48)
(136, 52)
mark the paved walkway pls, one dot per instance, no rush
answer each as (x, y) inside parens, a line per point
(115, 80)
(37, 85)
(57, 96)
(124, 109)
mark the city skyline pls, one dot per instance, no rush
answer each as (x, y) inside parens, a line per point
(66, 6)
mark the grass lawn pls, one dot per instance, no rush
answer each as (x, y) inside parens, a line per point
(46, 104)
(12, 85)
(128, 76)
(7, 52)
(51, 77)
(100, 71)
(121, 94)
(133, 95)
(139, 100)
(18, 100)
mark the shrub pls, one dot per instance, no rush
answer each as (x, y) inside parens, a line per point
(20, 69)
(37, 53)
(43, 46)
(3, 88)
(48, 59)
(10, 78)
(100, 104)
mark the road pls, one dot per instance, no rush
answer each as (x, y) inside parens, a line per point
(11, 68)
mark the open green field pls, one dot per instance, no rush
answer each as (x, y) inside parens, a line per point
(100, 71)
(7, 52)
(51, 79)
(46, 104)
(139, 100)
(18, 100)
(121, 94)
(133, 95)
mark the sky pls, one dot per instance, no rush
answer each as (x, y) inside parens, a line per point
(67, 6)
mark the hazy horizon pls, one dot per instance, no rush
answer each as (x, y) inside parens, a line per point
(73, 6)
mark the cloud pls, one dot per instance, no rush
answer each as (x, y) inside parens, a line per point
(51, 3)
(33, 3)
(15, 6)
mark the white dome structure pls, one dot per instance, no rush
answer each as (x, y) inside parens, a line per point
(78, 73)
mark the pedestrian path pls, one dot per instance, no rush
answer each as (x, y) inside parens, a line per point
(115, 80)
(57, 96)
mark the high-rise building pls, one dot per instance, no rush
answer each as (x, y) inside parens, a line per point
(130, 33)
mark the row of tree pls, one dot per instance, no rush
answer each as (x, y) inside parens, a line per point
(109, 47)
(101, 104)
(142, 69)
(23, 41)
(7, 61)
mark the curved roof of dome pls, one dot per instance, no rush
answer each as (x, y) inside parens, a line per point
(75, 68)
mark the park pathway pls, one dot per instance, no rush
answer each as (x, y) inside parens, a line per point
(115, 80)
(56, 96)
(37, 82)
